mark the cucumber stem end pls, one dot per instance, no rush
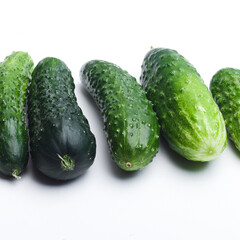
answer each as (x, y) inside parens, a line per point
(15, 173)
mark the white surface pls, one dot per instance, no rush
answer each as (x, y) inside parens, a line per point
(171, 199)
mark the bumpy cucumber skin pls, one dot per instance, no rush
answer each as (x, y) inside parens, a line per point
(190, 119)
(130, 124)
(15, 74)
(57, 125)
(225, 88)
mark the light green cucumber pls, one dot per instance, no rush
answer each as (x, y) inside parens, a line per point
(190, 119)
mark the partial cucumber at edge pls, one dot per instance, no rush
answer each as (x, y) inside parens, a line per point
(15, 75)
(225, 88)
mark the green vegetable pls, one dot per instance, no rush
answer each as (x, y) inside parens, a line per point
(225, 88)
(62, 145)
(15, 73)
(130, 123)
(190, 119)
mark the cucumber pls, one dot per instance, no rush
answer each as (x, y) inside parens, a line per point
(130, 123)
(225, 88)
(62, 145)
(15, 74)
(190, 119)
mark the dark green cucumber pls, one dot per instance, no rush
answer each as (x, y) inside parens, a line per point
(225, 88)
(190, 119)
(15, 74)
(62, 145)
(130, 123)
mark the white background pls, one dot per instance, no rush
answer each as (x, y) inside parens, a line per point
(171, 199)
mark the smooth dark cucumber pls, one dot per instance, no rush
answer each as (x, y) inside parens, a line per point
(190, 119)
(130, 123)
(62, 145)
(225, 88)
(15, 74)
